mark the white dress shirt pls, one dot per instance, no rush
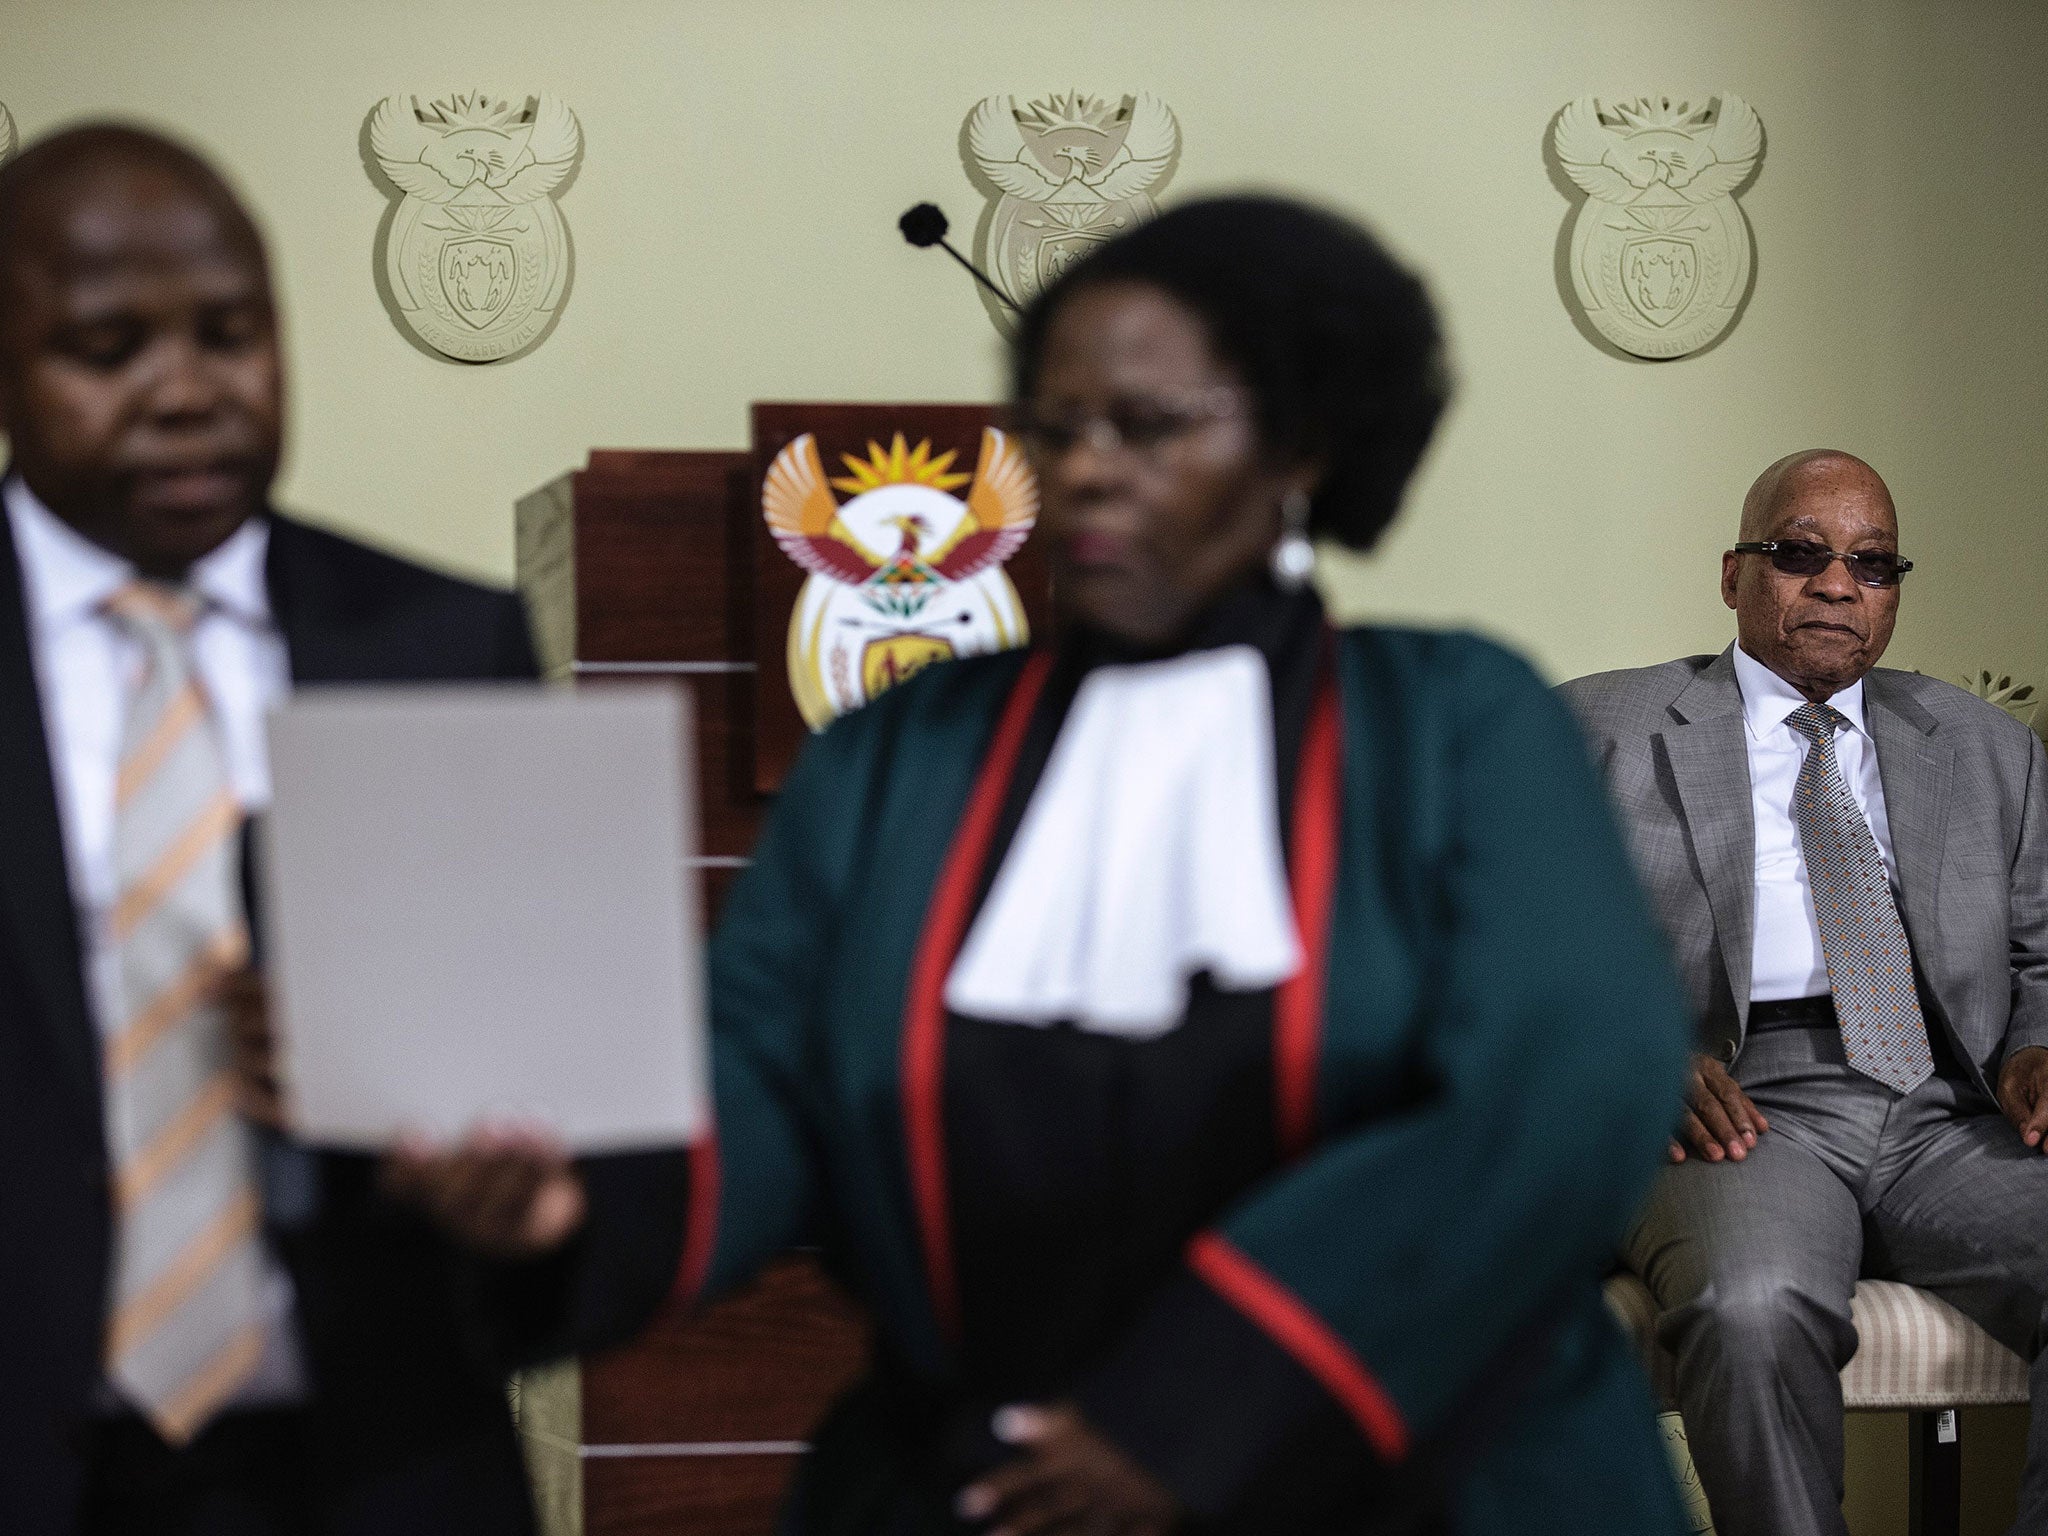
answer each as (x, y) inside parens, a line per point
(1787, 960)
(85, 666)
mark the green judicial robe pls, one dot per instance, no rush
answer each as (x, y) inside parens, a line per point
(1390, 1322)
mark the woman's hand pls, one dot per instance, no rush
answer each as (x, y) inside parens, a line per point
(1069, 1481)
(507, 1192)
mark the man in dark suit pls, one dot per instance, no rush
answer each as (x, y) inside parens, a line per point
(1851, 864)
(202, 1329)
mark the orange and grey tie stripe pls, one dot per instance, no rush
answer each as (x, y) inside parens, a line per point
(187, 1328)
(1870, 963)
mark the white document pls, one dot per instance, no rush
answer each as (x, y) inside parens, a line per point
(478, 903)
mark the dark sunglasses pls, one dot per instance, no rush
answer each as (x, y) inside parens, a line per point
(1799, 557)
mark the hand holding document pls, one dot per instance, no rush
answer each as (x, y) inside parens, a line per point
(478, 909)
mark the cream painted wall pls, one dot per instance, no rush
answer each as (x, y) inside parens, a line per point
(734, 235)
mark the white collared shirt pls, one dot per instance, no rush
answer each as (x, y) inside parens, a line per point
(1787, 960)
(85, 665)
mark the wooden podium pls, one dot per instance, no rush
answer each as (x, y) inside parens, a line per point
(657, 563)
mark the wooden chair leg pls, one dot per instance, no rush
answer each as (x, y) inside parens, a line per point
(1936, 1478)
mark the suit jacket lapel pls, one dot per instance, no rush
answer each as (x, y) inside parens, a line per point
(293, 608)
(298, 621)
(327, 612)
(1709, 756)
(1915, 767)
(35, 888)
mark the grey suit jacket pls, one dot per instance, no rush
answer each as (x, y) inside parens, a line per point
(1966, 790)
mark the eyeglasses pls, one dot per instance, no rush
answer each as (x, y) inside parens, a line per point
(1142, 426)
(1800, 557)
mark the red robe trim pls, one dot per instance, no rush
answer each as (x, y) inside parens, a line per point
(1315, 1346)
(1298, 1002)
(700, 1239)
(924, 1018)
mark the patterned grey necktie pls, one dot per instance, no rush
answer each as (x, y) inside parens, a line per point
(187, 1327)
(1870, 964)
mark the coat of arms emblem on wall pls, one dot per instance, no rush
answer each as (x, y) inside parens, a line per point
(903, 573)
(1660, 253)
(1072, 171)
(477, 254)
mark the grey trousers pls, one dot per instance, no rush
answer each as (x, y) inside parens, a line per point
(1753, 1263)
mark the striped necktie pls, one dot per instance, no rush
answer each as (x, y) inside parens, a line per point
(187, 1327)
(1870, 964)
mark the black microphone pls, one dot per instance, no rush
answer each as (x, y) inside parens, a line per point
(925, 226)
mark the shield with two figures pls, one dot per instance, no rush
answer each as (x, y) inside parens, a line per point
(903, 572)
(477, 277)
(1661, 276)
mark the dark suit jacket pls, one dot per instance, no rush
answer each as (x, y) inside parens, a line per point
(405, 1340)
(1965, 790)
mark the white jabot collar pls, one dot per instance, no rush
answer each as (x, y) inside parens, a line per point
(1149, 852)
(1767, 699)
(68, 577)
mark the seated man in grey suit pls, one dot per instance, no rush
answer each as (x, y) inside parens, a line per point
(1852, 866)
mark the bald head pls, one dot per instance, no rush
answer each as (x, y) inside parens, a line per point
(140, 383)
(40, 187)
(1809, 469)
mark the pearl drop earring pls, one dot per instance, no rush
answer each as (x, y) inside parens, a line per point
(1293, 559)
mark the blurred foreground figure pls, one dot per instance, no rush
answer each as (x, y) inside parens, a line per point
(1852, 864)
(1222, 1051)
(202, 1329)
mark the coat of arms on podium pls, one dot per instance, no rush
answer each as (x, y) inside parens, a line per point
(901, 573)
(1660, 255)
(477, 255)
(1072, 171)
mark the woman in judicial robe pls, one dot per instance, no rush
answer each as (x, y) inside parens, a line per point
(1221, 1050)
